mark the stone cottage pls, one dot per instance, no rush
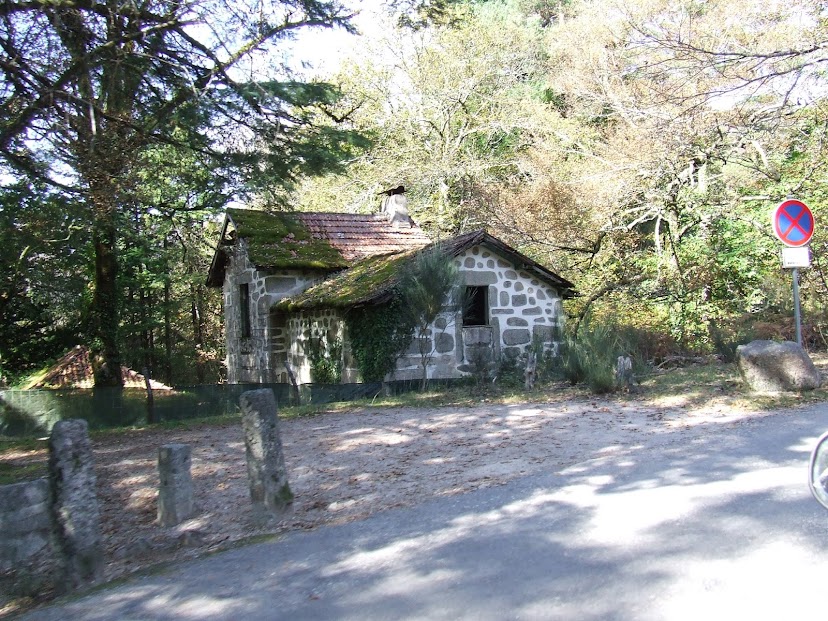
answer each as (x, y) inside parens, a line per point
(289, 281)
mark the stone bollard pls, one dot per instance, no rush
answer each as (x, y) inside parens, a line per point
(175, 490)
(530, 373)
(266, 469)
(75, 516)
(624, 373)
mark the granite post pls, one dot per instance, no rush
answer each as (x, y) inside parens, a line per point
(269, 489)
(75, 515)
(175, 490)
(624, 373)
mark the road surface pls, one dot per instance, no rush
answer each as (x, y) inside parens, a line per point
(721, 526)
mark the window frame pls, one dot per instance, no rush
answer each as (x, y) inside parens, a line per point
(476, 306)
(245, 328)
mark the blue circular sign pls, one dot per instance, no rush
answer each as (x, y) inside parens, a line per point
(793, 223)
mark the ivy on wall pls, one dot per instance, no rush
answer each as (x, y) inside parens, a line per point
(325, 357)
(378, 335)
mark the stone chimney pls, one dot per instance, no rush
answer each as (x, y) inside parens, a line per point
(395, 207)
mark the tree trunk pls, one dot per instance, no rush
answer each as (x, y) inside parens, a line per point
(106, 359)
(424, 356)
(196, 304)
(144, 314)
(150, 399)
(167, 318)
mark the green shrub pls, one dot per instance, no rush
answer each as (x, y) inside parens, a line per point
(651, 344)
(725, 344)
(510, 371)
(325, 359)
(590, 356)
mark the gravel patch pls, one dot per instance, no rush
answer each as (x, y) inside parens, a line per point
(346, 466)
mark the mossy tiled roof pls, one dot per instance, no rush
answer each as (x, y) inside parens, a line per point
(363, 252)
(371, 280)
(310, 240)
(74, 370)
(283, 239)
(320, 240)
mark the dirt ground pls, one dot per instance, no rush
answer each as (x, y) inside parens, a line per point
(346, 466)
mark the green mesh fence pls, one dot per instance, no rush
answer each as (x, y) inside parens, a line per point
(34, 412)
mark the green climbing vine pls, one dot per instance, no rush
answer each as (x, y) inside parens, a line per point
(378, 335)
(325, 357)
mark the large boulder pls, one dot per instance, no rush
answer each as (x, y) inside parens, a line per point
(771, 366)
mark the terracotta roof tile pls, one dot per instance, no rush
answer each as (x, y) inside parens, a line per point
(320, 240)
(74, 370)
(359, 236)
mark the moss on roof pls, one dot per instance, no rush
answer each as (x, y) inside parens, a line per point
(372, 280)
(281, 239)
(369, 280)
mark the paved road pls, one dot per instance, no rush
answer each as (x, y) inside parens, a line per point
(720, 527)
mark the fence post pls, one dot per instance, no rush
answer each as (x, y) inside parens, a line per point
(175, 490)
(266, 469)
(76, 520)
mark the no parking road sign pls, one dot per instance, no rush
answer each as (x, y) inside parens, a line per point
(793, 223)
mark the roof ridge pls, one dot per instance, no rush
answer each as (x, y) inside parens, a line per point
(320, 240)
(339, 213)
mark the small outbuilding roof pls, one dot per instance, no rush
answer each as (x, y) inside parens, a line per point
(372, 280)
(74, 370)
(311, 240)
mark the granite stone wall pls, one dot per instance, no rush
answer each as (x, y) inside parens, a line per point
(520, 309)
(252, 359)
(299, 329)
(25, 523)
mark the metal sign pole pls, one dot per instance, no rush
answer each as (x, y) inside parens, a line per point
(797, 314)
(793, 223)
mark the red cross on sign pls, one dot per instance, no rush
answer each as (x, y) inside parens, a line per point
(793, 223)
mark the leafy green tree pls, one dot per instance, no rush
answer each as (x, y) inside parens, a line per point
(43, 280)
(88, 87)
(635, 148)
(171, 321)
(450, 111)
(665, 157)
(429, 285)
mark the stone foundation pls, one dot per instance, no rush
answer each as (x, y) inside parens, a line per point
(25, 525)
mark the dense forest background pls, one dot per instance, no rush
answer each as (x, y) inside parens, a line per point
(637, 147)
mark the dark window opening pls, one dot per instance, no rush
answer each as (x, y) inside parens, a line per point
(476, 311)
(244, 310)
